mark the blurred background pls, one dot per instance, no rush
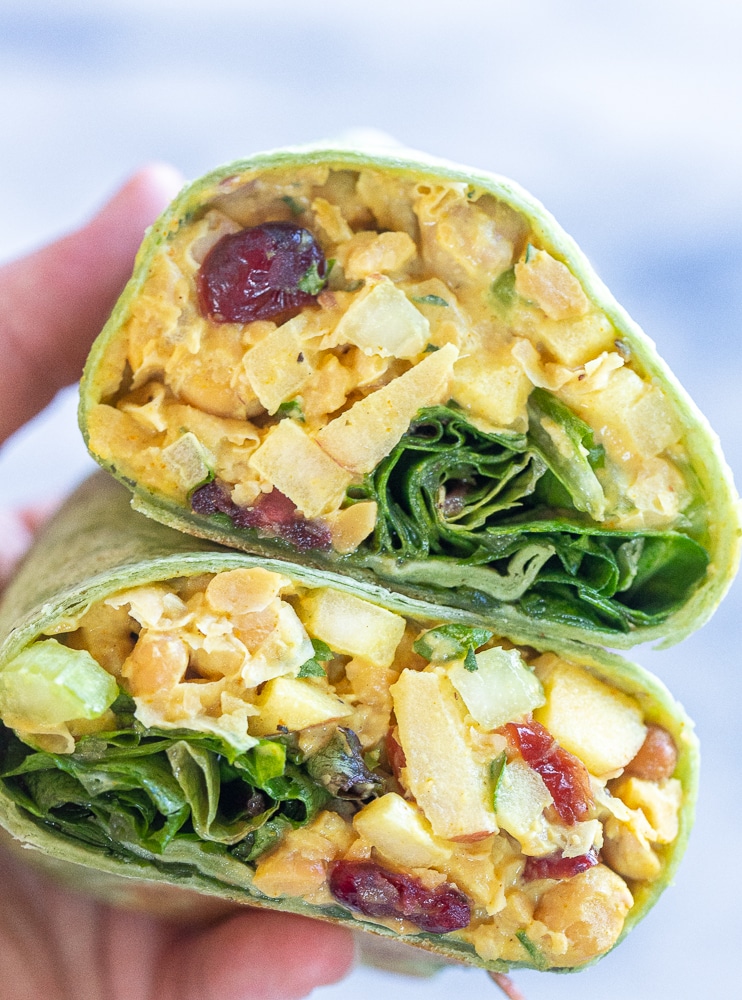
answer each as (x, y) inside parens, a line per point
(625, 119)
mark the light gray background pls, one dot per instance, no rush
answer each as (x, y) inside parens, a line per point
(623, 118)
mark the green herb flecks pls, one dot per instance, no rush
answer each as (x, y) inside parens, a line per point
(430, 300)
(311, 282)
(534, 952)
(496, 770)
(451, 642)
(291, 408)
(470, 660)
(296, 207)
(313, 667)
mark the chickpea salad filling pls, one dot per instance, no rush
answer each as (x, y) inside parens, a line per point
(400, 372)
(420, 776)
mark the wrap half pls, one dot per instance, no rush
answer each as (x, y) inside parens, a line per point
(404, 370)
(181, 715)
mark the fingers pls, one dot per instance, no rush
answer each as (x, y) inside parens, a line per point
(54, 302)
(257, 955)
(15, 538)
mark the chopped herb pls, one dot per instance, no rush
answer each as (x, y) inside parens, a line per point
(311, 282)
(503, 288)
(313, 667)
(530, 252)
(534, 952)
(470, 660)
(451, 642)
(496, 768)
(429, 300)
(430, 348)
(124, 704)
(321, 650)
(291, 408)
(296, 208)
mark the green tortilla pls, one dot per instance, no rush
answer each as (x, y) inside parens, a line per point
(530, 545)
(97, 546)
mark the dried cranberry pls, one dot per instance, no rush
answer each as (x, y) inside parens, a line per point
(263, 272)
(305, 535)
(212, 498)
(564, 775)
(378, 892)
(275, 508)
(558, 867)
(272, 514)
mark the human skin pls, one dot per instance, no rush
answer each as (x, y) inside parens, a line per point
(56, 943)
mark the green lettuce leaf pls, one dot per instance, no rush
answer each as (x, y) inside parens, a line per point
(512, 518)
(143, 790)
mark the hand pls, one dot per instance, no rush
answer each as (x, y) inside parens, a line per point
(55, 943)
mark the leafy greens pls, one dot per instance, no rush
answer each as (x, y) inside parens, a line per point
(505, 517)
(137, 790)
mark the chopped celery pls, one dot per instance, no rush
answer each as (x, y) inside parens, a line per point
(190, 461)
(48, 684)
(501, 689)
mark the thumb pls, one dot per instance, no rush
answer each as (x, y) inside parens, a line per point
(54, 302)
(257, 955)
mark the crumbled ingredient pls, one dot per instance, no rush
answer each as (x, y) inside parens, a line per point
(326, 338)
(373, 781)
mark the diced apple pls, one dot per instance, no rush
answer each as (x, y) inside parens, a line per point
(500, 690)
(652, 424)
(399, 831)
(494, 388)
(359, 438)
(383, 321)
(574, 342)
(189, 461)
(296, 704)
(629, 415)
(300, 469)
(277, 366)
(352, 626)
(551, 285)
(379, 253)
(448, 783)
(599, 724)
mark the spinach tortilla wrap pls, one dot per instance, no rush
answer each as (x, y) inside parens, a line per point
(404, 370)
(183, 715)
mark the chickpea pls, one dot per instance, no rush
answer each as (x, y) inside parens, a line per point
(589, 909)
(158, 662)
(656, 758)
